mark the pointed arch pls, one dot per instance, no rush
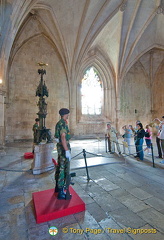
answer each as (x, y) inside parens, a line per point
(106, 75)
(91, 93)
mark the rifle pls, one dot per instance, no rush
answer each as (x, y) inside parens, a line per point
(68, 180)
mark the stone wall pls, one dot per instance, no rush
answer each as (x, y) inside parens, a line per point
(141, 96)
(135, 97)
(32, 45)
(1, 120)
(23, 81)
(158, 93)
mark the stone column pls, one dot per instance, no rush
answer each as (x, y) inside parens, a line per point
(107, 103)
(72, 108)
(2, 127)
(151, 82)
(42, 158)
(117, 112)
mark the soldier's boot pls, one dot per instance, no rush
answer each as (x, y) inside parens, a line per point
(61, 194)
(68, 195)
(56, 188)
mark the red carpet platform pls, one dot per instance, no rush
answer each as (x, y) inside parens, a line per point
(28, 155)
(48, 207)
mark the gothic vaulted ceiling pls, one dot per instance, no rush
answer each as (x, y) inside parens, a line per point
(122, 30)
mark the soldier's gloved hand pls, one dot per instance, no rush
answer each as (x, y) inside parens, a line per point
(68, 154)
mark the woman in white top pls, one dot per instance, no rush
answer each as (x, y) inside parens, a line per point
(161, 136)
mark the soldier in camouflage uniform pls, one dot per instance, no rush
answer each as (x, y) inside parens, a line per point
(34, 128)
(62, 133)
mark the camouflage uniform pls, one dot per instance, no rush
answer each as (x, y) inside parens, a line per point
(35, 127)
(61, 169)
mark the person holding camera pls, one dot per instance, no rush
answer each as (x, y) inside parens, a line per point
(113, 137)
(127, 138)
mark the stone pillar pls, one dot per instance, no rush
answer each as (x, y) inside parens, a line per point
(117, 112)
(2, 127)
(151, 82)
(107, 103)
(72, 108)
(42, 158)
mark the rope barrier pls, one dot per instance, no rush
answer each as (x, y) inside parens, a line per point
(136, 145)
(77, 155)
(13, 170)
(16, 170)
(84, 155)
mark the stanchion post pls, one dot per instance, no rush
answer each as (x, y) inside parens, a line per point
(84, 154)
(152, 154)
(106, 144)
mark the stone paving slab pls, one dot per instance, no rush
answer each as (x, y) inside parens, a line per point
(146, 232)
(111, 227)
(156, 203)
(108, 203)
(127, 218)
(4, 225)
(30, 215)
(39, 232)
(106, 184)
(124, 184)
(92, 189)
(133, 203)
(90, 223)
(118, 193)
(134, 174)
(110, 176)
(14, 224)
(139, 193)
(85, 196)
(121, 195)
(96, 211)
(153, 191)
(72, 231)
(6, 208)
(154, 218)
(130, 179)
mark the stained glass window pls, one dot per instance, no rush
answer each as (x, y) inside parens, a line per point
(91, 92)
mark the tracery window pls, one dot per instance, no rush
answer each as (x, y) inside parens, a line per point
(91, 93)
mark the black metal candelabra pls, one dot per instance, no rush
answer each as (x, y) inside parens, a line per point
(42, 133)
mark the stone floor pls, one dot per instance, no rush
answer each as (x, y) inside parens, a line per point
(124, 197)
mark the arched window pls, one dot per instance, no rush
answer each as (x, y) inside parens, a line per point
(91, 93)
